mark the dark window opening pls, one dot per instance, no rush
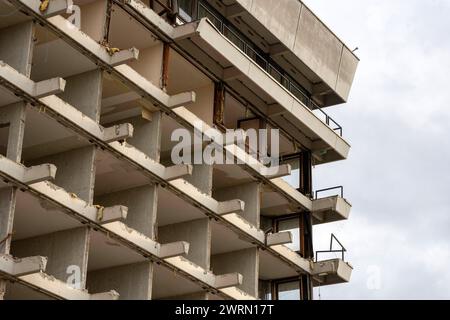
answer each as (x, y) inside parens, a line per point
(4, 136)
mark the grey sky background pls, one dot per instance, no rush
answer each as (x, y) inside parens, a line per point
(398, 123)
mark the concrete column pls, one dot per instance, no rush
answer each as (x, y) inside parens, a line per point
(147, 135)
(67, 253)
(133, 282)
(76, 171)
(246, 262)
(84, 92)
(16, 46)
(7, 207)
(202, 178)
(142, 205)
(197, 233)
(13, 116)
(249, 193)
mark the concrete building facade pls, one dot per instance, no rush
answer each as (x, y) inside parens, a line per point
(92, 205)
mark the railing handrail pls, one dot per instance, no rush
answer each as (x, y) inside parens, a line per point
(286, 81)
(341, 188)
(342, 251)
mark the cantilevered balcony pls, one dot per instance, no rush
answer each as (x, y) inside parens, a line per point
(287, 31)
(222, 58)
(241, 73)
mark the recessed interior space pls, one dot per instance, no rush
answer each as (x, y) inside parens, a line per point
(39, 144)
(183, 76)
(53, 57)
(11, 16)
(168, 285)
(150, 61)
(4, 134)
(238, 114)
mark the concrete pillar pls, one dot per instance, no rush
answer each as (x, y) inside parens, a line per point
(142, 203)
(7, 208)
(84, 92)
(13, 117)
(76, 171)
(197, 233)
(133, 282)
(67, 253)
(202, 178)
(16, 46)
(245, 262)
(249, 193)
(147, 135)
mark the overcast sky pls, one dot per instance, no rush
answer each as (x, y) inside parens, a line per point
(398, 123)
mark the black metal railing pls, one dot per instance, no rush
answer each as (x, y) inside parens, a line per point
(295, 89)
(340, 188)
(342, 251)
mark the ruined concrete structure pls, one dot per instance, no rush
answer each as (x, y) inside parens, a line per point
(91, 206)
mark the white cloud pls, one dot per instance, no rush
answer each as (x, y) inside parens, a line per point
(397, 121)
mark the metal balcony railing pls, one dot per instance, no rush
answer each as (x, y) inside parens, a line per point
(342, 251)
(340, 188)
(233, 35)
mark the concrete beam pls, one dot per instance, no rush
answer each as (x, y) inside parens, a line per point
(31, 88)
(124, 56)
(174, 249)
(112, 214)
(49, 87)
(44, 172)
(231, 73)
(234, 10)
(231, 206)
(118, 132)
(321, 89)
(16, 171)
(20, 267)
(60, 290)
(55, 7)
(138, 239)
(120, 99)
(177, 172)
(181, 99)
(26, 175)
(228, 280)
(276, 172)
(276, 239)
(184, 31)
(278, 49)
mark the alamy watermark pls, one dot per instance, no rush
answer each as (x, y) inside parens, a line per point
(212, 147)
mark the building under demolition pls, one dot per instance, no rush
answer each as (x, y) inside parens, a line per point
(92, 205)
